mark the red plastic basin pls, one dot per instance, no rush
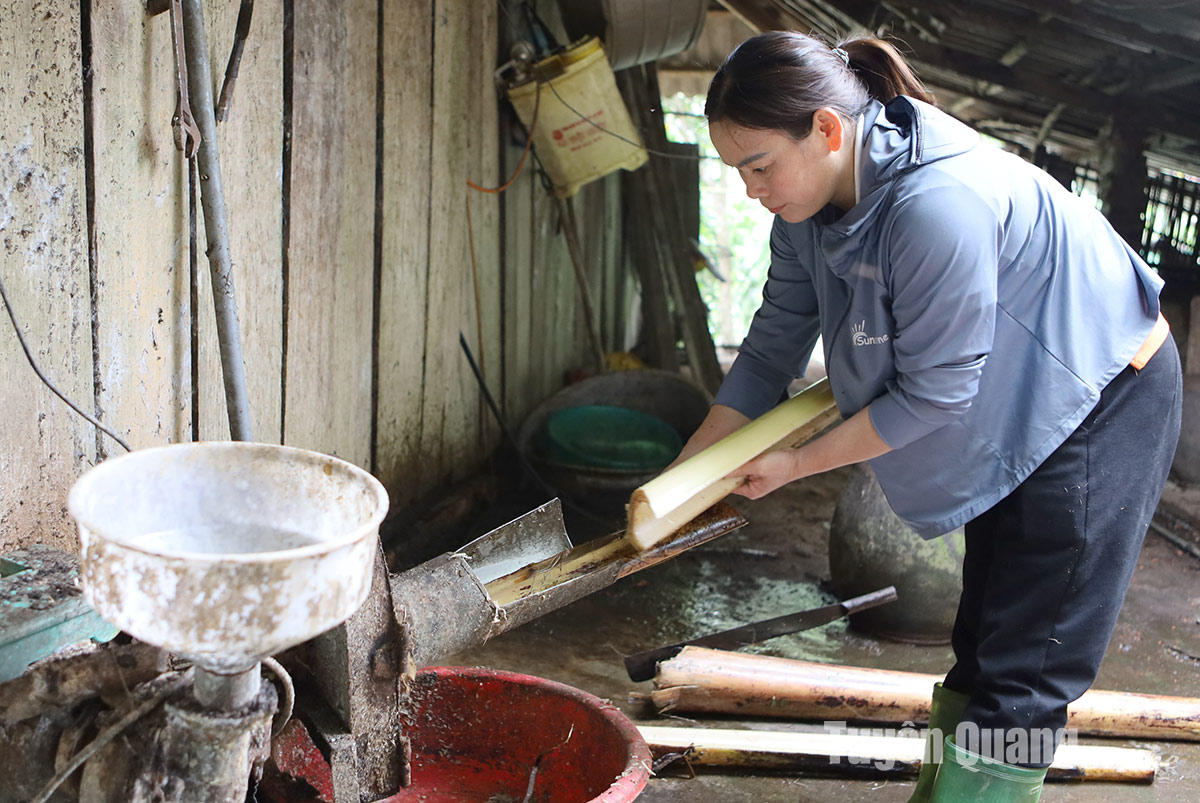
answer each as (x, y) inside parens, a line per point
(477, 735)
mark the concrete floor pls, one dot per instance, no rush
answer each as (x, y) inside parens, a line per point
(778, 564)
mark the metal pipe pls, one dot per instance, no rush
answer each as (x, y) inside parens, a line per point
(226, 692)
(216, 231)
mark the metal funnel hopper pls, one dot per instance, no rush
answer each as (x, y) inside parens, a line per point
(225, 553)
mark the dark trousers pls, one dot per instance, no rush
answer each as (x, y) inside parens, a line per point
(1047, 568)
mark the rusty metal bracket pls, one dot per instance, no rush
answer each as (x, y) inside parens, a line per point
(187, 133)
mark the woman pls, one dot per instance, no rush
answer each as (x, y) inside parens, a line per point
(997, 352)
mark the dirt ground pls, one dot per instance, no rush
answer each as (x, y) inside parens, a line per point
(778, 564)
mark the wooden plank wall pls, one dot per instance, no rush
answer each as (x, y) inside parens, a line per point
(330, 250)
(354, 130)
(44, 266)
(251, 142)
(140, 229)
(405, 152)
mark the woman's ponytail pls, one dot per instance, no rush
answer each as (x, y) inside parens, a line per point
(882, 70)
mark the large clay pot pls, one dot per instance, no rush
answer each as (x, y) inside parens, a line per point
(871, 548)
(1187, 455)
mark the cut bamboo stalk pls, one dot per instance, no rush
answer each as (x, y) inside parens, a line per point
(718, 681)
(858, 754)
(681, 493)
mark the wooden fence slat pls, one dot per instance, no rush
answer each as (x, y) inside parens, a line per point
(43, 261)
(486, 210)
(405, 219)
(331, 247)
(551, 337)
(517, 283)
(141, 305)
(617, 274)
(251, 145)
(444, 441)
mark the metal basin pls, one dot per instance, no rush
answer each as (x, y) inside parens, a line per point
(225, 553)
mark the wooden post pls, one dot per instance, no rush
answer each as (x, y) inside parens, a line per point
(658, 329)
(641, 92)
(1123, 179)
(1191, 362)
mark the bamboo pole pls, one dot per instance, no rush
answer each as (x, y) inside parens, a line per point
(679, 494)
(718, 681)
(872, 755)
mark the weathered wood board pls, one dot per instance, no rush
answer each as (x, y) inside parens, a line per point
(141, 301)
(251, 146)
(449, 411)
(351, 292)
(485, 216)
(330, 248)
(404, 245)
(44, 265)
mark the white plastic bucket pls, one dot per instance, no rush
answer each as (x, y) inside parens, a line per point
(582, 131)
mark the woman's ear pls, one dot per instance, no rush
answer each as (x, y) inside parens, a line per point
(831, 128)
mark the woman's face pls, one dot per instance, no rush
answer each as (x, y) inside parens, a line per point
(794, 179)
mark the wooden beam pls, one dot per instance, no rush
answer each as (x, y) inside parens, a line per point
(923, 55)
(765, 16)
(1171, 80)
(986, 70)
(1131, 32)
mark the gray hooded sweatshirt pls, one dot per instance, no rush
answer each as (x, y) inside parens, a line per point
(974, 304)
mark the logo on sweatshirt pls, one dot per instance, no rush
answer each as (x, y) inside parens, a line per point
(860, 337)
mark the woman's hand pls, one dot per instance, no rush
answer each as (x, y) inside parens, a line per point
(767, 472)
(851, 441)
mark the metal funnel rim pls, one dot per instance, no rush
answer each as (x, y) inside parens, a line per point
(77, 503)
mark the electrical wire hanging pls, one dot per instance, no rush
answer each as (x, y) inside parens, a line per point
(12, 316)
(590, 122)
(537, 101)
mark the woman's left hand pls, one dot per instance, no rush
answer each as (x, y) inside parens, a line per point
(767, 472)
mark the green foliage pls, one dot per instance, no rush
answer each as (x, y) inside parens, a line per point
(734, 230)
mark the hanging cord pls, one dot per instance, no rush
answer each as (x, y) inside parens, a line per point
(537, 102)
(12, 316)
(611, 133)
(168, 684)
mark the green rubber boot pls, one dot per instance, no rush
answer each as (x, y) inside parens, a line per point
(966, 776)
(945, 711)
